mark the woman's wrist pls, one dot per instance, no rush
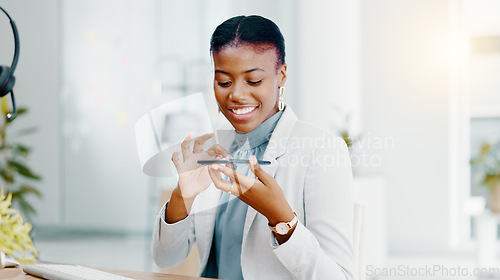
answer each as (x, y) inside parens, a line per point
(282, 214)
(284, 237)
(178, 207)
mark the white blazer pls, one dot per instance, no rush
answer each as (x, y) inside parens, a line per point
(313, 168)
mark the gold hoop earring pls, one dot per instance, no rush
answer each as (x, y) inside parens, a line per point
(281, 103)
(218, 109)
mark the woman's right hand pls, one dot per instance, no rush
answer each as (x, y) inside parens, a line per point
(194, 177)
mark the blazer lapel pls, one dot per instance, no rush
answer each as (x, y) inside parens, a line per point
(206, 207)
(275, 149)
(210, 198)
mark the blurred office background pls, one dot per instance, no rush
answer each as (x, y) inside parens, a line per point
(414, 81)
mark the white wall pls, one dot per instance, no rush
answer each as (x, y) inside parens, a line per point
(385, 63)
(482, 20)
(406, 99)
(80, 188)
(329, 68)
(37, 87)
(109, 57)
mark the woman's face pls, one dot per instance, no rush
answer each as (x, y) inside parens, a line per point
(246, 84)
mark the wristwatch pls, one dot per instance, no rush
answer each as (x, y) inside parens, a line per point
(282, 228)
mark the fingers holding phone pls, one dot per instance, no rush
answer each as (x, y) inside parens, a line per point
(194, 177)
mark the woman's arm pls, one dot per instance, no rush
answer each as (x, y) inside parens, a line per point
(172, 242)
(173, 235)
(178, 207)
(322, 244)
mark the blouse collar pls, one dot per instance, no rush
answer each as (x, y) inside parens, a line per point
(258, 136)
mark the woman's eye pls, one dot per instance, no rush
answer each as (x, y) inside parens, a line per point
(223, 84)
(254, 83)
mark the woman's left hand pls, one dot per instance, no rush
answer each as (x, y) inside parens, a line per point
(262, 193)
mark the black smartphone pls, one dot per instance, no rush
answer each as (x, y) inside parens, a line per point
(232, 161)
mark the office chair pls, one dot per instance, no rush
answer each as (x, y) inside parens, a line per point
(358, 240)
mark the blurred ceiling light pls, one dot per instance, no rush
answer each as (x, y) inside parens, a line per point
(90, 36)
(485, 45)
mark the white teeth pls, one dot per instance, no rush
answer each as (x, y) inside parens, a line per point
(243, 111)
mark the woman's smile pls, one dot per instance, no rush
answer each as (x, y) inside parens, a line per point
(242, 110)
(242, 113)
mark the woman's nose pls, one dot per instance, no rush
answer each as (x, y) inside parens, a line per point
(239, 92)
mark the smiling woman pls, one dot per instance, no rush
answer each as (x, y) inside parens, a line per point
(247, 83)
(250, 68)
(289, 219)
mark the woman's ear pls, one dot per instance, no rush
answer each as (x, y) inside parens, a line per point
(282, 73)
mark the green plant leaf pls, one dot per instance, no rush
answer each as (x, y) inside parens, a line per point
(12, 166)
(22, 110)
(486, 165)
(485, 148)
(19, 197)
(492, 180)
(27, 189)
(7, 176)
(26, 131)
(22, 148)
(26, 208)
(23, 170)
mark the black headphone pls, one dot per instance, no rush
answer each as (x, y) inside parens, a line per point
(7, 78)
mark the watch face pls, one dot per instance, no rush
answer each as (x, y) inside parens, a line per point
(282, 228)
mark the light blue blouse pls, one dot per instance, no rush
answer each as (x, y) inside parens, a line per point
(225, 255)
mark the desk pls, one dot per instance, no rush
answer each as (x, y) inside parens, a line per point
(17, 274)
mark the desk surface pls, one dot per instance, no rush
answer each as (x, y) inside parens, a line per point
(17, 274)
